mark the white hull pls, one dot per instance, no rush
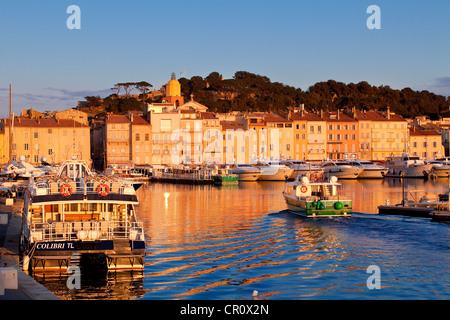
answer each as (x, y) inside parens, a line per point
(276, 174)
(343, 173)
(372, 174)
(248, 176)
(413, 171)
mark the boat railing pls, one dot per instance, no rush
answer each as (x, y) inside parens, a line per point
(87, 231)
(66, 188)
(184, 175)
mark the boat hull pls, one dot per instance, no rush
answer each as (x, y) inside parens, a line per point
(422, 212)
(413, 171)
(340, 173)
(372, 174)
(441, 172)
(248, 176)
(226, 180)
(276, 175)
(57, 256)
(306, 208)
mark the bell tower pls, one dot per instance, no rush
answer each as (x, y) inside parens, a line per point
(173, 92)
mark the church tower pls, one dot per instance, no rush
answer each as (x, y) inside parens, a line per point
(173, 92)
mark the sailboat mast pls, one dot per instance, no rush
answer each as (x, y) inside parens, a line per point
(10, 125)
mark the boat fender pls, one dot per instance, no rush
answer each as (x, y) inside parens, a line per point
(103, 190)
(314, 203)
(321, 206)
(66, 190)
(338, 205)
(25, 263)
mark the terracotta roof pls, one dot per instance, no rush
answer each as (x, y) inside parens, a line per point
(417, 132)
(273, 117)
(377, 116)
(116, 118)
(46, 123)
(333, 116)
(140, 120)
(208, 116)
(231, 125)
(306, 116)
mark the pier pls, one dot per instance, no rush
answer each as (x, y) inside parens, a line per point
(27, 288)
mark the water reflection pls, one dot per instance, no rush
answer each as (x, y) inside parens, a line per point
(208, 242)
(123, 285)
(224, 242)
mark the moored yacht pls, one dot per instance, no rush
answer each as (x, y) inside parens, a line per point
(370, 169)
(302, 167)
(341, 169)
(246, 172)
(76, 212)
(274, 171)
(439, 169)
(407, 166)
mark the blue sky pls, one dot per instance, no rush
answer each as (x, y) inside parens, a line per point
(297, 43)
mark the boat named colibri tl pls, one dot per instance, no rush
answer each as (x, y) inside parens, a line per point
(316, 198)
(76, 212)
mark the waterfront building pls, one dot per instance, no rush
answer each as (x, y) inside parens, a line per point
(389, 133)
(342, 135)
(54, 139)
(425, 143)
(118, 140)
(280, 134)
(141, 146)
(164, 145)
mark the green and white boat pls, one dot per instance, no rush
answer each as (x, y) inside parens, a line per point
(317, 198)
(224, 177)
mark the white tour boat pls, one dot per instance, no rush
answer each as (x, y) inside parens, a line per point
(316, 199)
(407, 166)
(78, 213)
(341, 169)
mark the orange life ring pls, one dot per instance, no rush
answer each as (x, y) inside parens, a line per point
(215, 172)
(304, 189)
(66, 190)
(103, 190)
(314, 177)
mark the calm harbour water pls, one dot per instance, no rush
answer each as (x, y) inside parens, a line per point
(224, 242)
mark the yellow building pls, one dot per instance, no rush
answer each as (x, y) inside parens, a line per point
(164, 143)
(118, 151)
(55, 139)
(280, 135)
(425, 143)
(308, 147)
(141, 145)
(389, 134)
